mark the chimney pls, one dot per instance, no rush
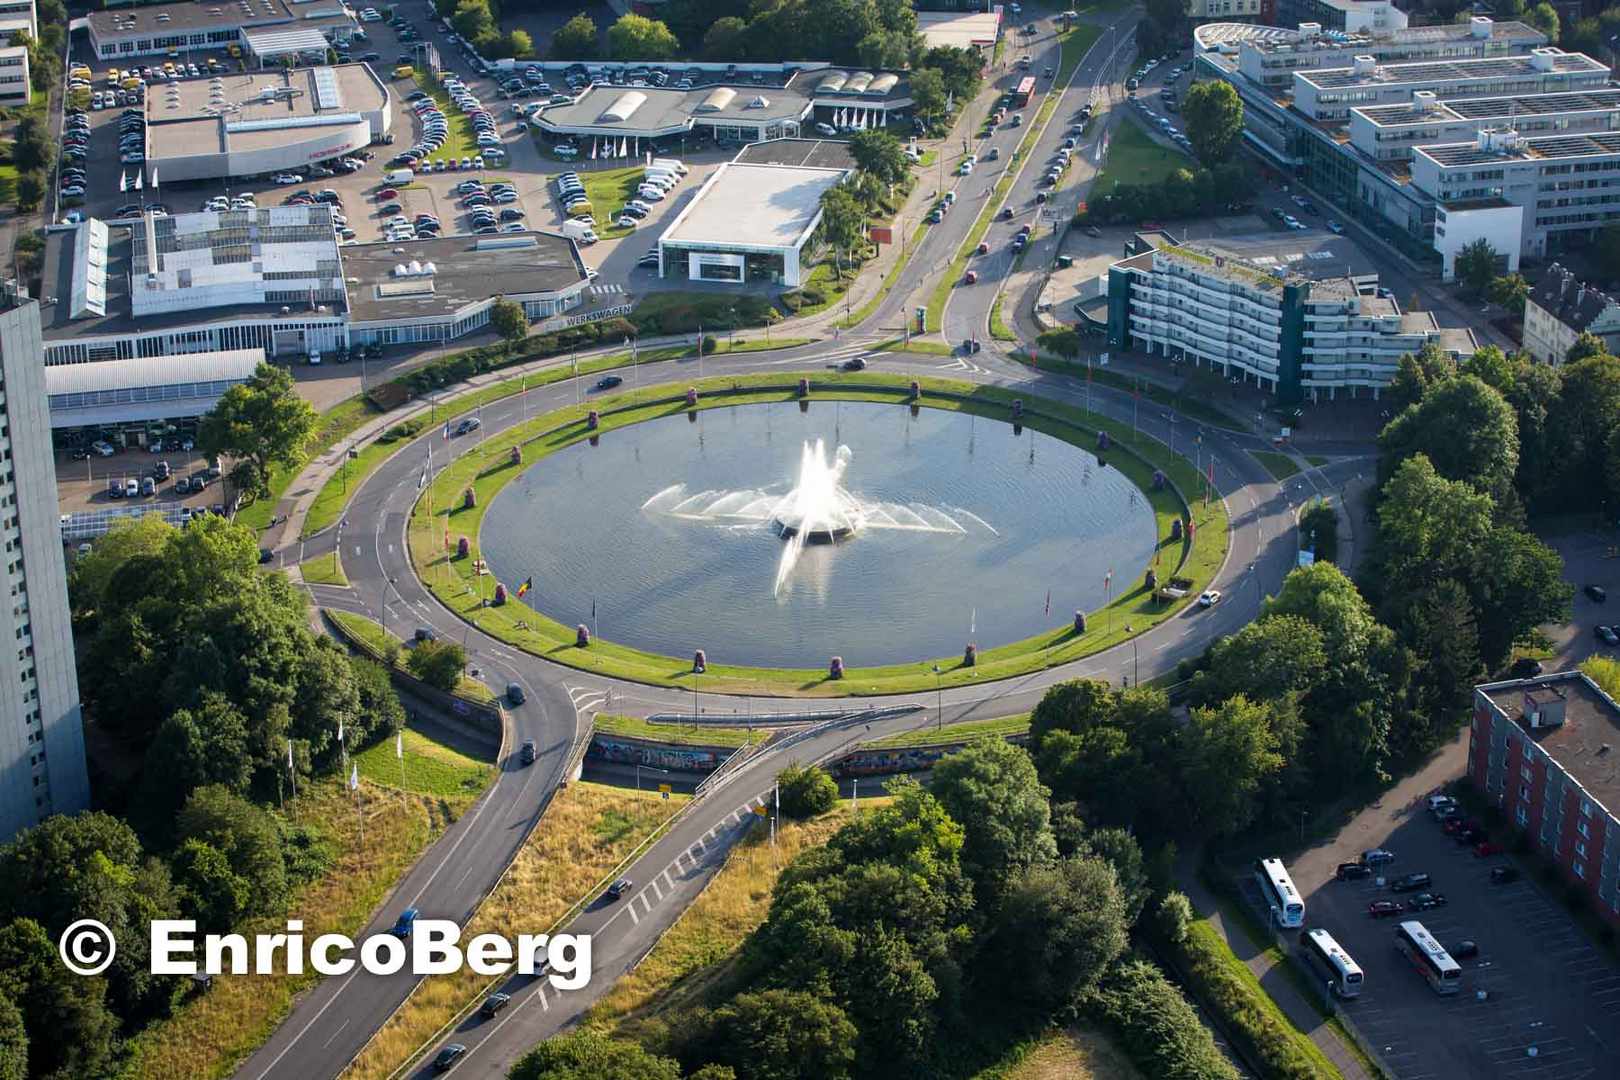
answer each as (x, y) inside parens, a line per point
(1543, 707)
(1309, 30)
(1424, 102)
(1480, 27)
(1364, 65)
(1542, 59)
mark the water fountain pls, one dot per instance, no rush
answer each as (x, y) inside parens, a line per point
(818, 509)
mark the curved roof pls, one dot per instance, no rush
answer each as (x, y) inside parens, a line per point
(716, 99)
(883, 83)
(832, 82)
(858, 82)
(1227, 36)
(624, 107)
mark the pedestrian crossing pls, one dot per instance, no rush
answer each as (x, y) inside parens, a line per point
(607, 290)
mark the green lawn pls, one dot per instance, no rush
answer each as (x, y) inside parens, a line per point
(609, 189)
(323, 570)
(688, 734)
(1316, 461)
(1186, 402)
(487, 470)
(999, 329)
(460, 141)
(372, 638)
(8, 184)
(430, 768)
(1134, 158)
(965, 731)
(1280, 466)
(337, 423)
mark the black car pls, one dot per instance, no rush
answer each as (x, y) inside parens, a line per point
(528, 753)
(1425, 901)
(855, 363)
(1526, 667)
(1411, 882)
(448, 1057)
(1596, 593)
(472, 423)
(494, 1004)
(1353, 871)
(1607, 635)
(1502, 875)
(608, 382)
(1464, 950)
(265, 555)
(619, 888)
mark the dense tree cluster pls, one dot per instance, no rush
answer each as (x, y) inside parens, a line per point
(869, 33)
(479, 22)
(1214, 116)
(1184, 193)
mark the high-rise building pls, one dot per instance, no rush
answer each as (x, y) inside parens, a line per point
(42, 769)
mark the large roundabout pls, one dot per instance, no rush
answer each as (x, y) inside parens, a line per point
(845, 536)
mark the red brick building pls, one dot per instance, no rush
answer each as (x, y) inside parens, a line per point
(1547, 752)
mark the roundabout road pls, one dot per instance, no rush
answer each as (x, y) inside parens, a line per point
(333, 1022)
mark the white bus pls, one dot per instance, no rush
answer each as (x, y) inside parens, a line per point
(1287, 908)
(1341, 970)
(1429, 958)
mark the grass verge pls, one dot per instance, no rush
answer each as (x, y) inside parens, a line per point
(1187, 403)
(586, 831)
(1134, 158)
(1081, 1052)
(488, 468)
(609, 189)
(323, 570)
(209, 1034)
(965, 731)
(1316, 461)
(1280, 466)
(861, 314)
(635, 727)
(999, 329)
(372, 638)
(429, 767)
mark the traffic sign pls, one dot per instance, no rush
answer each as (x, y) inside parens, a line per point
(664, 790)
(761, 811)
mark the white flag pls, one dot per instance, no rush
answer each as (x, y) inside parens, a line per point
(399, 745)
(123, 182)
(354, 778)
(154, 176)
(289, 755)
(340, 730)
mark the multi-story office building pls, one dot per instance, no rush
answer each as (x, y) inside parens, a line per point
(1352, 114)
(1300, 316)
(18, 17)
(14, 77)
(1543, 750)
(42, 769)
(1353, 16)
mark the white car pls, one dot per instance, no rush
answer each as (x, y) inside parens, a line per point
(1210, 598)
(102, 448)
(287, 178)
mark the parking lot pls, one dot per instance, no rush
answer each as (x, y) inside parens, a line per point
(1540, 1000)
(84, 484)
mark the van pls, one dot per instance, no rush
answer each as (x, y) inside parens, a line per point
(580, 232)
(663, 179)
(671, 164)
(398, 176)
(405, 71)
(1411, 883)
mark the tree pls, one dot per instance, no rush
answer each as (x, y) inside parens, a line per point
(519, 44)
(1544, 17)
(806, 791)
(1607, 248)
(576, 39)
(1517, 584)
(1509, 291)
(1319, 529)
(31, 188)
(126, 539)
(1586, 412)
(1270, 658)
(1175, 914)
(1414, 374)
(13, 1040)
(437, 663)
(1475, 266)
(206, 744)
(1429, 527)
(785, 1035)
(1214, 116)
(32, 148)
(247, 839)
(843, 222)
(1228, 753)
(928, 94)
(1493, 367)
(1058, 929)
(1156, 1026)
(210, 891)
(71, 1032)
(262, 421)
(636, 37)
(1466, 429)
(590, 1055)
(877, 152)
(1439, 624)
(724, 39)
(961, 70)
(991, 789)
(473, 19)
(1586, 346)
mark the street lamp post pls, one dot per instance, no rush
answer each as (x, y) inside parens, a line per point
(939, 702)
(1136, 662)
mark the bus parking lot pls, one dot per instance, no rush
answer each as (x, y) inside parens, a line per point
(1539, 1000)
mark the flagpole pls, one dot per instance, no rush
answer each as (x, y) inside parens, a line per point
(399, 752)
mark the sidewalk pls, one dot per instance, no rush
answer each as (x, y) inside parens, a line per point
(1303, 1014)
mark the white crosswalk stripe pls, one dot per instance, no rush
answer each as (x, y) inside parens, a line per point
(607, 290)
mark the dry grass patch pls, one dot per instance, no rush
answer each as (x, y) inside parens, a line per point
(1078, 1053)
(213, 1032)
(587, 830)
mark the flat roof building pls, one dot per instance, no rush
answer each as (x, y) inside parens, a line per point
(1300, 315)
(15, 85)
(960, 29)
(810, 153)
(275, 280)
(1544, 751)
(156, 29)
(263, 122)
(136, 392)
(18, 17)
(747, 222)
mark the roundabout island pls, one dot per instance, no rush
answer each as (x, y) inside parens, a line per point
(833, 536)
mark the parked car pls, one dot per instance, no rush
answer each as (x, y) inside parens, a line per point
(1351, 871)
(1411, 882)
(1383, 909)
(1526, 667)
(1377, 857)
(1502, 875)
(1596, 593)
(1486, 848)
(1426, 901)
(1466, 949)
(1438, 804)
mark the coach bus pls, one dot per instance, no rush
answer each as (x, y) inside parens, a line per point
(1327, 954)
(1287, 908)
(1428, 957)
(1024, 91)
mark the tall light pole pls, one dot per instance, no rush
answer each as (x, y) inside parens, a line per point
(939, 702)
(1136, 662)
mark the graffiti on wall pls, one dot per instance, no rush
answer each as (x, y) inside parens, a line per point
(624, 752)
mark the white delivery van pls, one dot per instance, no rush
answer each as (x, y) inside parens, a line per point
(398, 176)
(662, 179)
(579, 232)
(670, 164)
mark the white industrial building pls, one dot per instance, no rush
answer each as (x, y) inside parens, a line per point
(124, 33)
(131, 402)
(748, 222)
(275, 281)
(264, 122)
(42, 764)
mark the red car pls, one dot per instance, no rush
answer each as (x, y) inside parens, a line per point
(1383, 909)
(1153, 226)
(1486, 849)
(387, 193)
(970, 277)
(984, 248)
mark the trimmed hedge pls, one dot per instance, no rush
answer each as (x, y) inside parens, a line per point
(1247, 1012)
(1154, 1024)
(464, 365)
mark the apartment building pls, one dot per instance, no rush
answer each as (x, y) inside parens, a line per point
(1560, 309)
(42, 766)
(1543, 750)
(14, 77)
(1300, 316)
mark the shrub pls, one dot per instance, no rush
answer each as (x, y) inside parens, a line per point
(806, 791)
(437, 663)
(1175, 914)
(1154, 1024)
(407, 429)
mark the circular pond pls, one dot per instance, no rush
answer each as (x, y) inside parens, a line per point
(775, 537)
